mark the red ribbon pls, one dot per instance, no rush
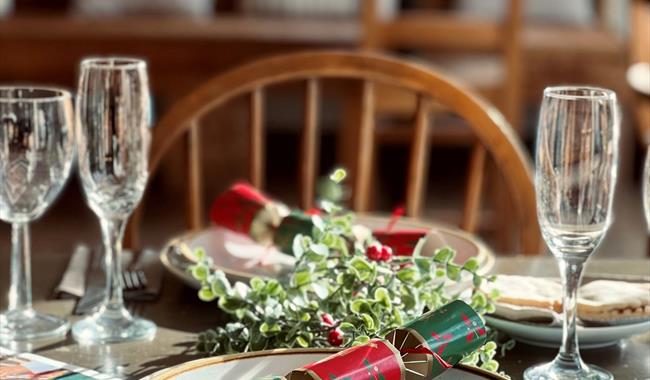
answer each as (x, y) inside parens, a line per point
(398, 212)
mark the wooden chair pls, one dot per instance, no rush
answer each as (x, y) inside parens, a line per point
(441, 31)
(491, 129)
(640, 52)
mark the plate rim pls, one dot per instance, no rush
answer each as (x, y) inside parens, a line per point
(594, 329)
(172, 372)
(485, 256)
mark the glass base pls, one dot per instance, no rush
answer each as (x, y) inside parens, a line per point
(555, 371)
(113, 326)
(26, 325)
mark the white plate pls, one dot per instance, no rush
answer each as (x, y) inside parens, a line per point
(277, 362)
(240, 257)
(549, 336)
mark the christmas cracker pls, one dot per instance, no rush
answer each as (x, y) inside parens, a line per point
(422, 349)
(449, 334)
(244, 209)
(296, 223)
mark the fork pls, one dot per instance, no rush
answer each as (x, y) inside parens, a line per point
(133, 280)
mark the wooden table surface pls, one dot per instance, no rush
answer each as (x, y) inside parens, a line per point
(180, 315)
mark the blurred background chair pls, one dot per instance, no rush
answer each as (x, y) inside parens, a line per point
(639, 72)
(309, 69)
(185, 42)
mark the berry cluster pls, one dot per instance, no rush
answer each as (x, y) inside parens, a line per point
(378, 252)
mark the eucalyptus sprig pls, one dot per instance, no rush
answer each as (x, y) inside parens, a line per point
(336, 295)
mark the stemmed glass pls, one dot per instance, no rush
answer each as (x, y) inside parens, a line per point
(576, 163)
(36, 152)
(113, 138)
(645, 189)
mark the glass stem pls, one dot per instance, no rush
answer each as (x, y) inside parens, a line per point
(571, 272)
(20, 291)
(112, 233)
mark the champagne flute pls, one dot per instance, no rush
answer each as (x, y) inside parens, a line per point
(576, 163)
(645, 189)
(36, 153)
(113, 138)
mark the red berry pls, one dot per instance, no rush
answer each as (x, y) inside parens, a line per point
(313, 211)
(373, 252)
(335, 337)
(386, 253)
(327, 319)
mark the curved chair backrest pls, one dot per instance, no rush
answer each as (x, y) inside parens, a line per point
(494, 135)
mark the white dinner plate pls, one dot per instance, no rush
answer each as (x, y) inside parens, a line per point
(551, 336)
(241, 258)
(277, 362)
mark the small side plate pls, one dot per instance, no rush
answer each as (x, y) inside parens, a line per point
(551, 336)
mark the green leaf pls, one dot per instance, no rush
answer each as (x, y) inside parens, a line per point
(206, 294)
(297, 246)
(367, 320)
(199, 272)
(219, 284)
(358, 306)
(257, 283)
(301, 278)
(302, 342)
(347, 327)
(320, 290)
(471, 264)
(444, 255)
(360, 264)
(424, 264)
(199, 253)
(408, 274)
(453, 272)
(360, 340)
(491, 366)
(382, 296)
(317, 252)
(338, 175)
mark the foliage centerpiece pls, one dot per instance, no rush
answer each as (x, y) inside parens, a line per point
(345, 289)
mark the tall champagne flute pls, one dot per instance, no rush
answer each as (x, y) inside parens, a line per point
(576, 163)
(645, 189)
(113, 138)
(36, 152)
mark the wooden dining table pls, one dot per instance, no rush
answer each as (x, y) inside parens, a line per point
(180, 315)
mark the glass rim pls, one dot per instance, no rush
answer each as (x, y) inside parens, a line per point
(50, 94)
(114, 63)
(599, 92)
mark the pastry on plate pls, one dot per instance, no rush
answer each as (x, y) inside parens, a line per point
(528, 292)
(604, 301)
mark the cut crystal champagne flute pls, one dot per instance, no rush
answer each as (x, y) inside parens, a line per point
(36, 153)
(113, 138)
(576, 163)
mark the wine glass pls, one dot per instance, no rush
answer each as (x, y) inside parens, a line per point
(113, 138)
(576, 163)
(36, 153)
(645, 188)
